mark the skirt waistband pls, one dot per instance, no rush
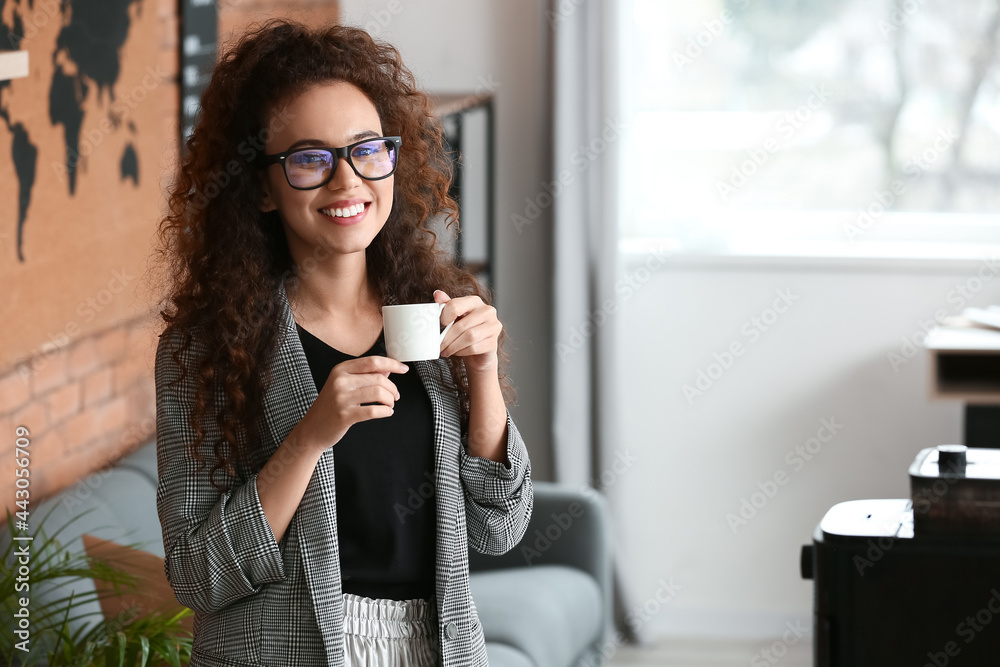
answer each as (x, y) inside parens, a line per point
(368, 617)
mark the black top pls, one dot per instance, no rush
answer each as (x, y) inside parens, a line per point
(384, 476)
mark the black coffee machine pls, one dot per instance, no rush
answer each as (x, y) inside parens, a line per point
(912, 582)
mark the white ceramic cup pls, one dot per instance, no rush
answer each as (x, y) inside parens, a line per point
(413, 331)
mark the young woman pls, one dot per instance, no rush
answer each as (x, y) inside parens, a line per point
(317, 498)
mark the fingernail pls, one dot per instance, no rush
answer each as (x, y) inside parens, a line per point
(405, 368)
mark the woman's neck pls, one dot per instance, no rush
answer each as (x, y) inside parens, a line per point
(330, 290)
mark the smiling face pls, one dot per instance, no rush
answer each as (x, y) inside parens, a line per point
(349, 211)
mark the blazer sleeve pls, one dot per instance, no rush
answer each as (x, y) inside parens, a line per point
(498, 499)
(219, 546)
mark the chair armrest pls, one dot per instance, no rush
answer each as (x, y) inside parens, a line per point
(568, 526)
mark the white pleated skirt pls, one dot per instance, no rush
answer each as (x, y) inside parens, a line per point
(383, 633)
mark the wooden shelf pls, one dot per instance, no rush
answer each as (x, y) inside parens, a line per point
(476, 267)
(965, 364)
(446, 104)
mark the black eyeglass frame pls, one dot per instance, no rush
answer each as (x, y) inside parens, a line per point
(338, 153)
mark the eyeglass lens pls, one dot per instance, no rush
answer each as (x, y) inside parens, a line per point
(311, 167)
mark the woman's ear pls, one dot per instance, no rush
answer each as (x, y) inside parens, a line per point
(266, 202)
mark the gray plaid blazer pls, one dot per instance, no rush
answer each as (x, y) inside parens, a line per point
(258, 602)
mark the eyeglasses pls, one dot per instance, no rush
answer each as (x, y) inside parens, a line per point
(310, 168)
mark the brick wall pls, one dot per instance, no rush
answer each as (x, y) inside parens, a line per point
(88, 401)
(85, 404)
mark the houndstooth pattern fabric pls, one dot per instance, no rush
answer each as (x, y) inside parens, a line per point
(258, 602)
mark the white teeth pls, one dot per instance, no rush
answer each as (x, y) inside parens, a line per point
(348, 212)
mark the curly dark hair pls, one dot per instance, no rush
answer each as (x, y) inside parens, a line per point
(226, 260)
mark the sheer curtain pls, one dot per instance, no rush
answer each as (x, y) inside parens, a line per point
(586, 128)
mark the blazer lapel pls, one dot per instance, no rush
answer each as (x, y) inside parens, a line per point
(292, 393)
(449, 499)
(447, 489)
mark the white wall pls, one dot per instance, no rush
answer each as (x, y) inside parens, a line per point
(462, 46)
(824, 358)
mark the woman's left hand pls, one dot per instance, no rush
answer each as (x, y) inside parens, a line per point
(474, 334)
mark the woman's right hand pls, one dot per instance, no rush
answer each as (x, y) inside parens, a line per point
(342, 400)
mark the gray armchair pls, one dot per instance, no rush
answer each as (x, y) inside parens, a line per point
(547, 601)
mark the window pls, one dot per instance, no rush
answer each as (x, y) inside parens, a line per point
(811, 128)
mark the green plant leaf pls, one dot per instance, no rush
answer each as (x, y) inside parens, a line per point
(99, 641)
(62, 628)
(173, 654)
(122, 643)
